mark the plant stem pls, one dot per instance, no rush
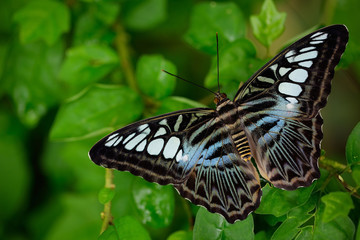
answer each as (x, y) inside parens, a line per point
(106, 214)
(121, 46)
(121, 41)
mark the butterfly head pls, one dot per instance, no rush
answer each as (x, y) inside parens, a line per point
(219, 98)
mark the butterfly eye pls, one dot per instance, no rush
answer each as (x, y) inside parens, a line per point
(219, 97)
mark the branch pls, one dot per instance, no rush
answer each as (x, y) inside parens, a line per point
(106, 214)
(121, 41)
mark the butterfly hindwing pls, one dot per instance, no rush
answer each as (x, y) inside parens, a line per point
(191, 149)
(280, 107)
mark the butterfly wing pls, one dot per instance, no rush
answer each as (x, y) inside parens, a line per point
(280, 107)
(190, 149)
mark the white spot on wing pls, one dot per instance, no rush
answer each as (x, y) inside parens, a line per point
(306, 64)
(128, 138)
(322, 37)
(274, 67)
(179, 155)
(171, 147)
(265, 79)
(316, 42)
(307, 49)
(298, 75)
(142, 127)
(305, 56)
(161, 131)
(290, 89)
(155, 146)
(289, 53)
(316, 34)
(163, 122)
(141, 146)
(118, 141)
(112, 139)
(178, 122)
(283, 71)
(112, 136)
(292, 100)
(135, 141)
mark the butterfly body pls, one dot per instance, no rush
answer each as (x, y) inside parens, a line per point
(274, 118)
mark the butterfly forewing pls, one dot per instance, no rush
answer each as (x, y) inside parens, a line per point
(280, 107)
(191, 149)
(300, 74)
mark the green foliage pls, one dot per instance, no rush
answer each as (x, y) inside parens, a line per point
(335, 201)
(73, 71)
(278, 202)
(106, 195)
(155, 203)
(86, 64)
(238, 53)
(180, 235)
(38, 19)
(95, 111)
(148, 75)
(214, 226)
(144, 15)
(269, 24)
(208, 18)
(353, 146)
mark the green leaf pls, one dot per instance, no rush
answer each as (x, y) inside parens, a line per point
(30, 78)
(96, 111)
(109, 234)
(15, 175)
(358, 231)
(269, 24)
(346, 12)
(278, 202)
(155, 203)
(214, 226)
(305, 233)
(89, 30)
(86, 64)
(210, 17)
(336, 204)
(106, 11)
(356, 175)
(238, 63)
(340, 228)
(79, 218)
(45, 20)
(293, 224)
(151, 79)
(172, 104)
(106, 195)
(353, 146)
(145, 14)
(181, 235)
(130, 229)
(261, 235)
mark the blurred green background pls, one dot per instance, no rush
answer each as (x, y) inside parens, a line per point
(72, 71)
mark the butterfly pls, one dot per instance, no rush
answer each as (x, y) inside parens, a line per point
(206, 153)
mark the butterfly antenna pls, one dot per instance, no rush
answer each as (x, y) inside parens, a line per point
(217, 59)
(189, 82)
